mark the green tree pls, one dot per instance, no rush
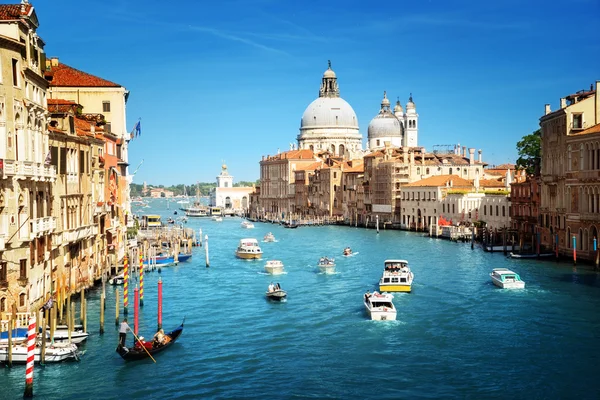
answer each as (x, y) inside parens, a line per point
(530, 148)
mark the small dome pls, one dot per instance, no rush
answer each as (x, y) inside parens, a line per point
(224, 166)
(398, 108)
(330, 112)
(385, 124)
(329, 73)
(410, 104)
(385, 102)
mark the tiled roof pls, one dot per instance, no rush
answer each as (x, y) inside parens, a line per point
(491, 183)
(13, 11)
(60, 105)
(310, 167)
(357, 167)
(66, 76)
(292, 154)
(84, 128)
(591, 129)
(441, 180)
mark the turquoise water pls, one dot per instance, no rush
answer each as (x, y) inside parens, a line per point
(456, 336)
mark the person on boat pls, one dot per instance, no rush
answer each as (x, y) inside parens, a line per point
(159, 337)
(277, 286)
(271, 287)
(367, 295)
(123, 332)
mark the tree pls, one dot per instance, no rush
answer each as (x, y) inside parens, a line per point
(530, 148)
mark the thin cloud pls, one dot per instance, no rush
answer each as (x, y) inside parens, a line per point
(229, 36)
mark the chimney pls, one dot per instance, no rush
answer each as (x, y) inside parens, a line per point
(54, 61)
(457, 149)
(547, 109)
(471, 156)
(479, 158)
(464, 151)
(563, 102)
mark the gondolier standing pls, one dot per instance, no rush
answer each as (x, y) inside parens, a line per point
(123, 332)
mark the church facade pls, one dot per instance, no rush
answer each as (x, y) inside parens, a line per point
(228, 197)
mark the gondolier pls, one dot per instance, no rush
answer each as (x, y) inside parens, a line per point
(123, 332)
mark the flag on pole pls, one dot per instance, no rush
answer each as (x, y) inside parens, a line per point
(137, 130)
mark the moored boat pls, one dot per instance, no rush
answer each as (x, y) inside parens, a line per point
(506, 279)
(397, 277)
(143, 350)
(54, 353)
(274, 267)
(117, 280)
(326, 264)
(379, 306)
(217, 218)
(248, 248)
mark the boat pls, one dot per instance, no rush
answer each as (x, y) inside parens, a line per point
(216, 211)
(150, 347)
(117, 280)
(17, 335)
(274, 267)
(275, 292)
(151, 221)
(247, 224)
(326, 264)
(196, 212)
(269, 237)
(347, 251)
(397, 277)
(528, 255)
(62, 335)
(249, 249)
(217, 218)
(56, 352)
(379, 306)
(506, 279)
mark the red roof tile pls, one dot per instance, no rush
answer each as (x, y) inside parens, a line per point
(14, 11)
(65, 75)
(591, 129)
(441, 180)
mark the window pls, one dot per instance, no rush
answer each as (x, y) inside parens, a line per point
(23, 268)
(15, 72)
(577, 121)
(3, 271)
(22, 300)
(106, 106)
(377, 142)
(108, 127)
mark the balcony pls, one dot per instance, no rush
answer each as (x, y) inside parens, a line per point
(22, 281)
(29, 170)
(41, 226)
(74, 235)
(589, 175)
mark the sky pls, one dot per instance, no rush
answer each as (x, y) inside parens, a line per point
(227, 81)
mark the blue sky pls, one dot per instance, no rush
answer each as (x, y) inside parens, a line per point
(228, 81)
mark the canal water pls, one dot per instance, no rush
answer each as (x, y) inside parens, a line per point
(457, 336)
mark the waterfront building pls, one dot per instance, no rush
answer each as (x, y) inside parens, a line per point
(79, 248)
(277, 181)
(228, 197)
(352, 192)
(107, 99)
(525, 206)
(329, 123)
(157, 193)
(26, 178)
(302, 174)
(570, 173)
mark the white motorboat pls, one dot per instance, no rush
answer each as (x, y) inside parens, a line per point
(196, 211)
(326, 264)
(269, 237)
(506, 279)
(77, 336)
(274, 267)
(54, 353)
(275, 292)
(379, 306)
(217, 218)
(249, 249)
(117, 280)
(247, 224)
(397, 277)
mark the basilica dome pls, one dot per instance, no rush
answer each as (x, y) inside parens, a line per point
(385, 124)
(329, 112)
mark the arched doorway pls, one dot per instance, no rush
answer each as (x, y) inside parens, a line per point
(228, 202)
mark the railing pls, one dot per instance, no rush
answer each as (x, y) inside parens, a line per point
(29, 169)
(41, 226)
(21, 321)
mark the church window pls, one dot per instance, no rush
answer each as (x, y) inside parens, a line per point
(427, 171)
(450, 173)
(418, 171)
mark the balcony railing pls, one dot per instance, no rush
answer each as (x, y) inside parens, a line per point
(41, 226)
(74, 235)
(29, 170)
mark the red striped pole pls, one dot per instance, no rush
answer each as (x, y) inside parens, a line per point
(125, 285)
(30, 358)
(159, 304)
(136, 310)
(141, 280)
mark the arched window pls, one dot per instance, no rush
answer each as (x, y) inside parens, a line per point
(333, 149)
(311, 147)
(342, 150)
(450, 171)
(418, 171)
(427, 171)
(3, 304)
(504, 211)
(581, 157)
(569, 238)
(22, 300)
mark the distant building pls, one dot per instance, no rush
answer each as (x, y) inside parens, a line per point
(227, 196)
(397, 127)
(159, 192)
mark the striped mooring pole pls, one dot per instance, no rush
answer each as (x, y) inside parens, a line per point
(159, 304)
(31, 334)
(125, 285)
(142, 279)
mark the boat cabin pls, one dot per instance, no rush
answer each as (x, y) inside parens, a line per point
(151, 221)
(395, 265)
(216, 211)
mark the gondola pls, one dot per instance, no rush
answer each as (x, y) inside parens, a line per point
(138, 353)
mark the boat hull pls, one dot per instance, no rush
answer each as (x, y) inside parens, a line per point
(53, 354)
(136, 353)
(395, 288)
(277, 295)
(508, 285)
(248, 256)
(274, 270)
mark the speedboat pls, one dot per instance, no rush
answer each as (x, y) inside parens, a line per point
(249, 249)
(247, 224)
(277, 294)
(269, 237)
(506, 279)
(77, 336)
(379, 306)
(56, 352)
(117, 280)
(326, 264)
(397, 277)
(347, 251)
(274, 267)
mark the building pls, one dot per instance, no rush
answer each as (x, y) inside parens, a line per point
(525, 207)
(157, 193)
(27, 220)
(570, 173)
(398, 128)
(329, 123)
(228, 197)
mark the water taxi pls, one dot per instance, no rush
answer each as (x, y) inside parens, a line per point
(275, 292)
(506, 279)
(326, 264)
(379, 306)
(216, 211)
(249, 249)
(274, 267)
(269, 237)
(247, 224)
(397, 277)
(196, 212)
